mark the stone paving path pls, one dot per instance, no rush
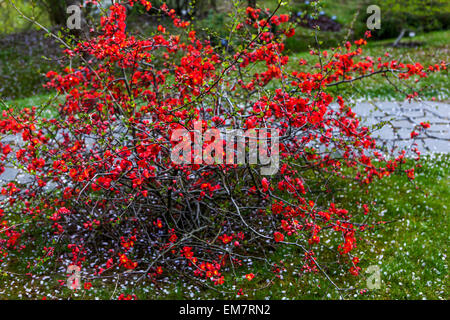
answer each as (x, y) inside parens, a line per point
(401, 117)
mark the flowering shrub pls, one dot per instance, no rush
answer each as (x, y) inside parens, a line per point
(102, 192)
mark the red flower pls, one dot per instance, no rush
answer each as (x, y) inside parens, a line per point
(290, 33)
(425, 125)
(265, 184)
(355, 270)
(278, 236)
(127, 297)
(249, 276)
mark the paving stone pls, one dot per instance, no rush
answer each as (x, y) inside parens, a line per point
(407, 117)
(9, 174)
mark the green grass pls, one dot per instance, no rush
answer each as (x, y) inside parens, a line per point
(36, 100)
(11, 21)
(411, 251)
(22, 73)
(46, 104)
(344, 10)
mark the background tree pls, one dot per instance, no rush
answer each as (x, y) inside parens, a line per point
(56, 9)
(400, 16)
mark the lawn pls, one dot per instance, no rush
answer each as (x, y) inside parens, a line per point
(411, 251)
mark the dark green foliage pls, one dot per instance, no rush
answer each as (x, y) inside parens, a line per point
(22, 63)
(416, 15)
